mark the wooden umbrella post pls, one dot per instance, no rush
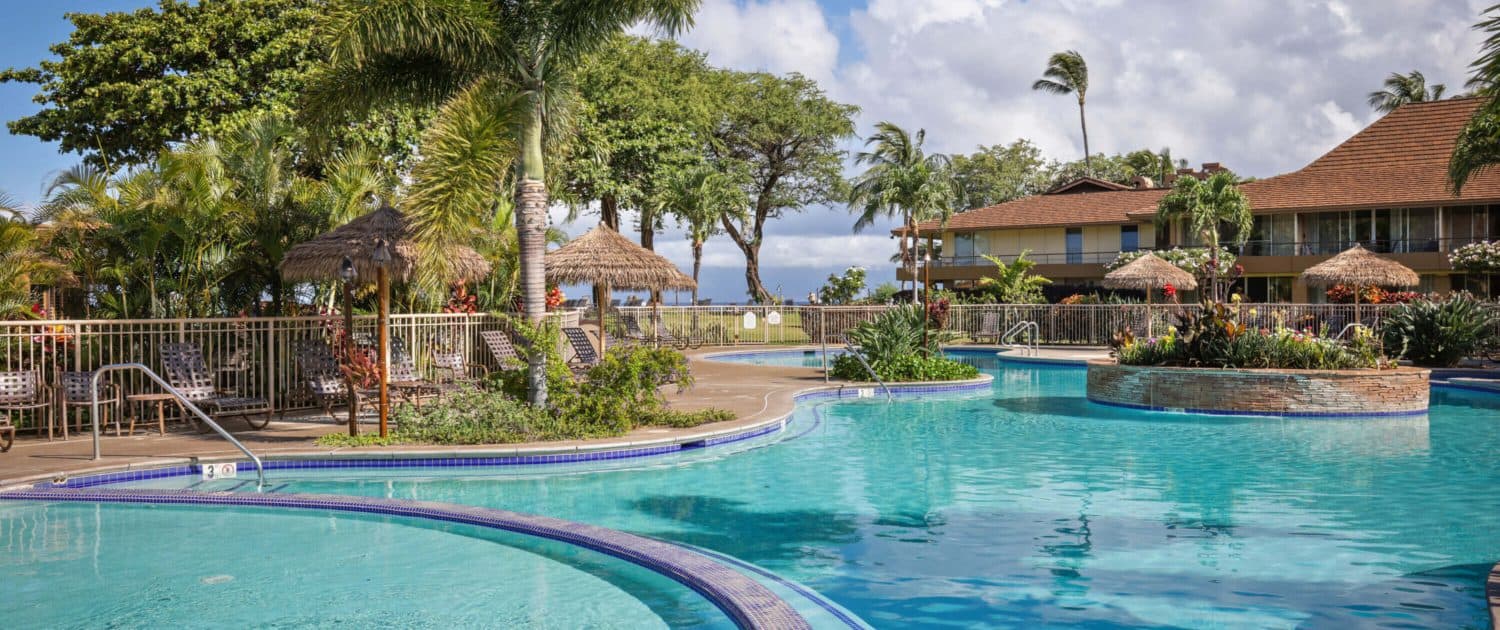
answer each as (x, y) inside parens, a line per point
(382, 257)
(601, 297)
(348, 275)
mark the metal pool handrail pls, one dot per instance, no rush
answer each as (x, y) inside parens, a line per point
(1346, 329)
(1033, 327)
(260, 469)
(889, 397)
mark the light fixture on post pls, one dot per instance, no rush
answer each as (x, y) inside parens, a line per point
(381, 256)
(349, 275)
(926, 292)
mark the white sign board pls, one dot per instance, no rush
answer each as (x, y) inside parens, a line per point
(220, 471)
(773, 318)
(749, 321)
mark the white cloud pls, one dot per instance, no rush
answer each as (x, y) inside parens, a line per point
(773, 35)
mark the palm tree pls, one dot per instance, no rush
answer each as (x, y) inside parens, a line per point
(23, 262)
(904, 182)
(1401, 89)
(1067, 73)
(1014, 283)
(1478, 146)
(510, 58)
(1206, 207)
(701, 197)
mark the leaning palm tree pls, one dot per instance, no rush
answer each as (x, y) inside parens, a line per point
(701, 197)
(512, 58)
(902, 182)
(1401, 89)
(1478, 146)
(1067, 73)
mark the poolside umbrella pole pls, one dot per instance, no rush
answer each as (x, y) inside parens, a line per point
(379, 245)
(607, 260)
(1360, 268)
(1149, 273)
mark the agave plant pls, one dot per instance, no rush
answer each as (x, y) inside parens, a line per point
(896, 333)
(1440, 333)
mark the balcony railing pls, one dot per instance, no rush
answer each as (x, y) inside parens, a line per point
(1057, 258)
(1250, 248)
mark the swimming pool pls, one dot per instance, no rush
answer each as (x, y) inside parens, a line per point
(1027, 506)
(112, 565)
(778, 358)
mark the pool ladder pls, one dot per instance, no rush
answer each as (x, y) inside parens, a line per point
(889, 397)
(1028, 326)
(260, 470)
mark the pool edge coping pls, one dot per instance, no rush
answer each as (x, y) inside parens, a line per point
(745, 601)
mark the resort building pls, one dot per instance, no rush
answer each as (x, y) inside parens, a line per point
(1384, 188)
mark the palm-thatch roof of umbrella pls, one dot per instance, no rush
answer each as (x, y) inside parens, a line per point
(320, 258)
(1358, 267)
(1149, 272)
(603, 256)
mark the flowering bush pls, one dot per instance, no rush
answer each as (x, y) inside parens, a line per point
(554, 298)
(937, 314)
(1214, 339)
(1477, 257)
(1341, 294)
(1193, 260)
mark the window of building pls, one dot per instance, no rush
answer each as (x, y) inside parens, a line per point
(1074, 244)
(1130, 238)
(1266, 288)
(963, 245)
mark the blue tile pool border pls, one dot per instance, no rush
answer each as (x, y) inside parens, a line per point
(745, 601)
(363, 461)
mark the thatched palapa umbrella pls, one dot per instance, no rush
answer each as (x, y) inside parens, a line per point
(608, 261)
(1360, 268)
(1148, 273)
(378, 245)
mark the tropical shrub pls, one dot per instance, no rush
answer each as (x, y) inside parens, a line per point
(1215, 340)
(842, 289)
(1340, 294)
(1440, 333)
(899, 346)
(1192, 260)
(1014, 283)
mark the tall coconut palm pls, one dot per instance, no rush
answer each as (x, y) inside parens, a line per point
(700, 198)
(511, 57)
(1067, 73)
(1401, 89)
(902, 181)
(1206, 207)
(1478, 146)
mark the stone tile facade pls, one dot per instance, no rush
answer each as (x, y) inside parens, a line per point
(1402, 391)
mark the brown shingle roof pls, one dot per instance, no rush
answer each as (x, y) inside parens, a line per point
(1094, 208)
(1401, 159)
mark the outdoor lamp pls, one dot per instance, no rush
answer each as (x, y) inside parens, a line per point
(346, 270)
(382, 253)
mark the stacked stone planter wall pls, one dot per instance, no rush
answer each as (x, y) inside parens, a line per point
(1402, 391)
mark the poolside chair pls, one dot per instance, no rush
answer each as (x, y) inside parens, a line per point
(452, 368)
(24, 392)
(584, 355)
(408, 382)
(187, 372)
(633, 331)
(77, 403)
(989, 327)
(502, 349)
(321, 376)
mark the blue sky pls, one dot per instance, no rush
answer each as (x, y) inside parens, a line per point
(1263, 86)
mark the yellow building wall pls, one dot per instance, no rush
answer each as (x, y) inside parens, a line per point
(1096, 238)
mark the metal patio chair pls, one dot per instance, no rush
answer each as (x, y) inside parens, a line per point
(187, 372)
(23, 392)
(322, 378)
(502, 349)
(77, 403)
(584, 355)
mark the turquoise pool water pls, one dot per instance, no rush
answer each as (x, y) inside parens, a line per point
(74, 565)
(777, 358)
(1027, 506)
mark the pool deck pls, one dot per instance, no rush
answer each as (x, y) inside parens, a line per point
(756, 394)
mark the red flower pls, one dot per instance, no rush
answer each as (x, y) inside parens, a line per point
(1169, 290)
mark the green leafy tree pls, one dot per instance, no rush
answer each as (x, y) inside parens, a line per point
(1206, 208)
(1014, 283)
(1478, 147)
(518, 57)
(902, 181)
(1401, 89)
(701, 198)
(779, 135)
(1000, 173)
(24, 262)
(843, 288)
(1067, 73)
(126, 85)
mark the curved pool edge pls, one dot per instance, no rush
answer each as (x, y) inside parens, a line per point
(744, 600)
(501, 457)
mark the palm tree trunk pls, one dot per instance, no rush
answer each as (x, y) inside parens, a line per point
(531, 234)
(911, 252)
(1088, 163)
(648, 241)
(697, 264)
(609, 212)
